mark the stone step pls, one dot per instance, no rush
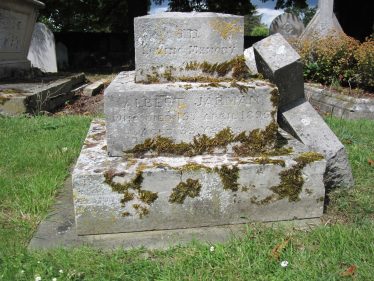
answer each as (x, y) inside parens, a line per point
(113, 195)
(182, 111)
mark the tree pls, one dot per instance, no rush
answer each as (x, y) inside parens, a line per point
(236, 7)
(92, 15)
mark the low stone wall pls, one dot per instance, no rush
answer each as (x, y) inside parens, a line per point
(338, 105)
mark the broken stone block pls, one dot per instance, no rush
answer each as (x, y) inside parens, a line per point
(113, 195)
(182, 111)
(172, 46)
(250, 60)
(93, 89)
(277, 61)
(303, 122)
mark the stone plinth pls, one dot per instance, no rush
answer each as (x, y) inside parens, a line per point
(114, 195)
(17, 19)
(168, 44)
(181, 111)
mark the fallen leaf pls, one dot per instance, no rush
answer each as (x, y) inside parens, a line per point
(371, 162)
(350, 271)
(276, 252)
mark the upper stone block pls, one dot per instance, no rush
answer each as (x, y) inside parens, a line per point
(174, 45)
(281, 64)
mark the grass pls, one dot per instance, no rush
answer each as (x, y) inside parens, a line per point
(35, 157)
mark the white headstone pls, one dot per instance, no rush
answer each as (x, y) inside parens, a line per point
(42, 52)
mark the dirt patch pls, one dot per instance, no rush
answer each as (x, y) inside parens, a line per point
(83, 105)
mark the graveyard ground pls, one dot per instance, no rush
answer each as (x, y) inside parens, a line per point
(37, 153)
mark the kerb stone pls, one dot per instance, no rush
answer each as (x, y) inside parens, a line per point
(166, 43)
(302, 121)
(180, 111)
(281, 64)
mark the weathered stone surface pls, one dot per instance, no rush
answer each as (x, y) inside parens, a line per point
(324, 23)
(302, 121)
(181, 111)
(20, 98)
(17, 19)
(62, 56)
(165, 43)
(249, 197)
(277, 61)
(288, 25)
(42, 51)
(93, 89)
(250, 60)
(339, 105)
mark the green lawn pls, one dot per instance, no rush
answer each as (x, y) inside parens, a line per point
(35, 157)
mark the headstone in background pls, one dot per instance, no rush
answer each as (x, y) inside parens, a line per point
(42, 52)
(62, 56)
(17, 20)
(287, 24)
(165, 43)
(324, 23)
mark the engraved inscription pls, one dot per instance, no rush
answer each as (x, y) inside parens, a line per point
(12, 29)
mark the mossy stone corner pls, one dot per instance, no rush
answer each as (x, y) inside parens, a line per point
(113, 194)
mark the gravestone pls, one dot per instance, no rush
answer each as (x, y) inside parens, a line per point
(62, 56)
(42, 51)
(250, 61)
(287, 24)
(17, 19)
(166, 47)
(207, 151)
(324, 23)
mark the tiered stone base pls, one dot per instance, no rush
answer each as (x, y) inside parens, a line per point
(113, 194)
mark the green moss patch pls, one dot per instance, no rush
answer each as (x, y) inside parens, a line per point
(292, 180)
(131, 190)
(191, 188)
(255, 143)
(229, 177)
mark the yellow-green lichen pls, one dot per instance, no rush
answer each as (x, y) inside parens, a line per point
(226, 28)
(229, 177)
(266, 160)
(191, 188)
(140, 210)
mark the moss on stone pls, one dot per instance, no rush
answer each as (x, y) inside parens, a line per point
(148, 197)
(275, 98)
(308, 157)
(266, 160)
(255, 143)
(190, 188)
(229, 177)
(126, 214)
(140, 210)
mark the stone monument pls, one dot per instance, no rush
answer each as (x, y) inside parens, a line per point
(189, 140)
(42, 51)
(324, 23)
(17, 19)
(287, 24)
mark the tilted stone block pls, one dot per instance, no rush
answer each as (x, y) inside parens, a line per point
(301, 120)
(174, 45)
(249, 55)
(181, 111)
(277, 61)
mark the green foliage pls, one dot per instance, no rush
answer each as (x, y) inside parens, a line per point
(260, 30)
(92, 15)
(339, 60)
